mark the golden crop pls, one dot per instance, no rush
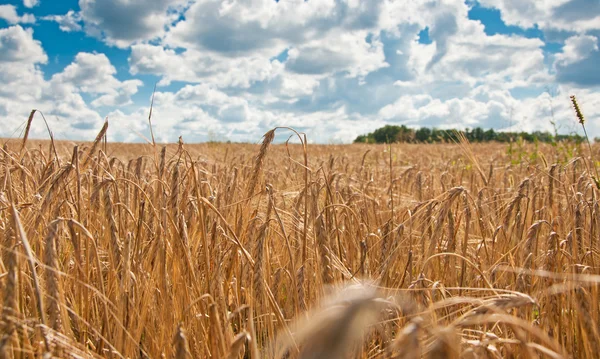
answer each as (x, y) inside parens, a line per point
(339, 251)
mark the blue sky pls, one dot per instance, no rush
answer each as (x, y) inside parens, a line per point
(331, 68)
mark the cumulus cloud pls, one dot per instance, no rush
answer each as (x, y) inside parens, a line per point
(196, 66)
(239, 28)
(120, 95)
(122, 23)
(9, 14)
(94, 74)
(348, 52)
(576, 48)
(71, 21)
(266, 28)
(499, 58)
(20, 75)
(198, 112)
(239, 44)
(443, 28)
(17, 45)
(564, 15)
(581, 12)
(31, 3)
(578, 63)
(234, 44)
(424, 110)
(24, 87)
(59, 98)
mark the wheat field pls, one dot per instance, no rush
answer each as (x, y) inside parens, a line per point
(298, 250)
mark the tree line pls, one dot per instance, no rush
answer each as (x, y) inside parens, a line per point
(393, 134)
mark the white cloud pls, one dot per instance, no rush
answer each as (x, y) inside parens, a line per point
(196, 66)
(197, 112)
(60, 99)
(470, 56)
(22, 81)
(24, 88)
(202, 112)
(17, 45)
(233, 44)
(266, 28)
(120, 95)
(293, 86)
(122, 23)
(567, 15)
(499, 58)
(9, 13)
(31, 3)
(576, 48)
(19, 56)
(578, 63)
(339, 51)
(424, 110)
(94, 74)
(71, 21)
(239, 28)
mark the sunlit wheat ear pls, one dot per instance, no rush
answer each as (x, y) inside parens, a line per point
(406, 344)
(324, 251)
(446, 345)
(578, 252)
(578, 112)
(174, 198)
(52, 285)
(217, 331)
(300, 289)
(258, 280)
(276, 283)
(419, 181)
(386, 233)
(60, 179)
(9, 307)
(336, 330)
(551, 181)
(180, 342)
(96, 142)
(27, 128)
(161, 166)
(237, 345)
(587, 322)
(113, 230)
(18, 228)
(498, 303)
(126, 270)
(259, 161)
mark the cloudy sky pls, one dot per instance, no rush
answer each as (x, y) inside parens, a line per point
(233, 69)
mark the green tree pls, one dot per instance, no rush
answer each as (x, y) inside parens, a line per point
(392, 133)
(423, 134)
(386, 134)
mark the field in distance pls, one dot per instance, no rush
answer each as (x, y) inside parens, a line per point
(266, 250)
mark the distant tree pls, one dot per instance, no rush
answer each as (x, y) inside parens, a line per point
(392, 133)
(489, 135)
(423, 134)
(438, 135)
(386, 134)
(478, 134)
(361, 139)
(405, 134)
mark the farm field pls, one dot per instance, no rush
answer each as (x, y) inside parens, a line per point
(273, 251)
